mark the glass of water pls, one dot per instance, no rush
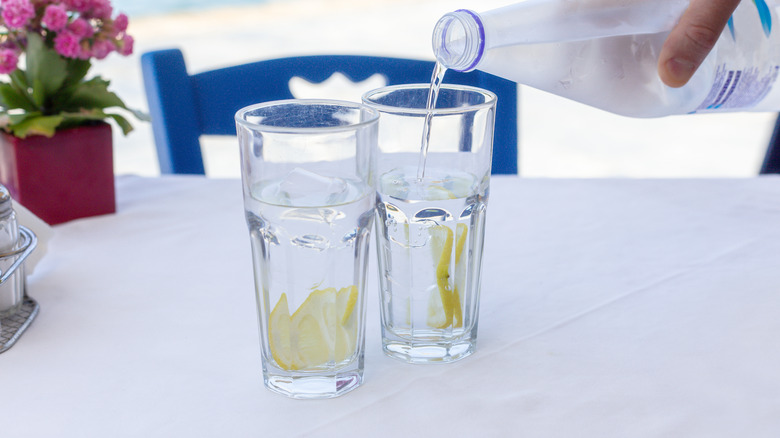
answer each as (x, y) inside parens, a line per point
(308, 173)
(431, 204)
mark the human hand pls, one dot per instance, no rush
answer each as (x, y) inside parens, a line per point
(691, 40)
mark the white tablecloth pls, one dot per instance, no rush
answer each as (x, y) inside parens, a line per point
(610, 308)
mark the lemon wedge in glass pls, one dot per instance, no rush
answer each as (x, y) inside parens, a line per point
(438, 193)
(322, 330)
(444, 304)
(279, 334)
(461, 232)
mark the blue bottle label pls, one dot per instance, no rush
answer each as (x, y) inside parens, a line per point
(736, 89)
(742, 79)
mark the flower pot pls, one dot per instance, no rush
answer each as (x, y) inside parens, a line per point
(65, 177)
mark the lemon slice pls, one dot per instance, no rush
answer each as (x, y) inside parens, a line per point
(437, 318)
(322, 330)
(438, 193)
(346, 332)
(279, 334)
(461, 232)
(314, 323)
(440, 312)
(345, 301)
(444, 303)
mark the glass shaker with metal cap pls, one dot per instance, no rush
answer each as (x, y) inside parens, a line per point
(11, 290)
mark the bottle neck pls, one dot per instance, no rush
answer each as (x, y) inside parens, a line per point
(5, 202)
(459, 40)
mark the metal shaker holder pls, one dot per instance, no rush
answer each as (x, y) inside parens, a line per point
(12, 326)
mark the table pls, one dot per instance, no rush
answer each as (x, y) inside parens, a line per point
(610, 308)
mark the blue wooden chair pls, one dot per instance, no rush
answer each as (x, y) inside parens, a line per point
(184, 107)
(771, 162)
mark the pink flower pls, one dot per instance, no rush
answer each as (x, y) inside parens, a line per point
(81, 28)
(8, 61)
(55, 17)
(101, 48)
(126, 46)
(67, 44)
(16, 13)
(100, 9)
(84, 50)
(120, 22)
(77, 5)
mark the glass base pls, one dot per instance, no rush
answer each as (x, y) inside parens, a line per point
(428, 352)
(313, 386)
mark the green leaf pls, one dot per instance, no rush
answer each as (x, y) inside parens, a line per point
(93, 94)
(122, 122)
(19, 118)
(19, 80)
(140, 115)
(21, 88)
(12, 99)
(77, 70)
(74, 119)
(38, 93)
(45, 65)
(3, 103)
(43, 125)
(84, 116)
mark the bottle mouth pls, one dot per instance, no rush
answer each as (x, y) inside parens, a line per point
(459, 40)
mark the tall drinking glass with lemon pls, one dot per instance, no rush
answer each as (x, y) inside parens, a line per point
(308, 171)
(431, 205)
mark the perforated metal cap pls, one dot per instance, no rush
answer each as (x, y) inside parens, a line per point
(5, 202)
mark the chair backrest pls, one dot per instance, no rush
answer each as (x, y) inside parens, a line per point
(771, 162)
(184, 107)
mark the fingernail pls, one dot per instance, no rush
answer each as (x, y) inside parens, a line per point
(679, 71)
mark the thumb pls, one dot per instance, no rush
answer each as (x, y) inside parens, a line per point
(691, 40)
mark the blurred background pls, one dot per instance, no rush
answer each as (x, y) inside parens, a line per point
(558, 138)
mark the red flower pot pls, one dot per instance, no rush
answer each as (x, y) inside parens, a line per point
(65, 177)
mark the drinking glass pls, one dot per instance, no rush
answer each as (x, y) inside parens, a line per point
(308, 174)
(431, 218)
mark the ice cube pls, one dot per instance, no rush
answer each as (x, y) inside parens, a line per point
(303, 187)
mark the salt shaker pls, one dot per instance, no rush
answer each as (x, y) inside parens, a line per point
(11, 290)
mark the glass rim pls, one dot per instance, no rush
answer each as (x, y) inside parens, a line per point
(490, 100)
(239, 117)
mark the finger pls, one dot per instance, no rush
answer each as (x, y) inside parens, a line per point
(691, 40)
